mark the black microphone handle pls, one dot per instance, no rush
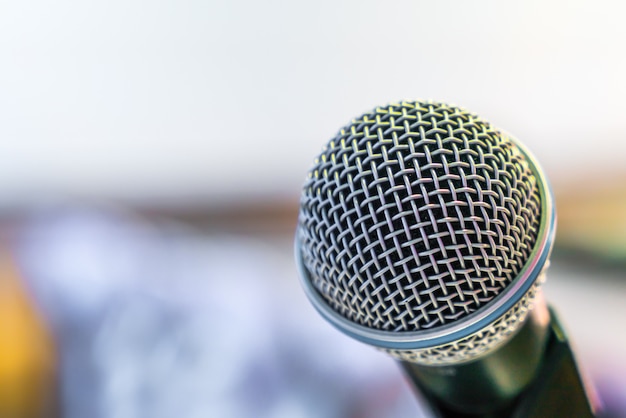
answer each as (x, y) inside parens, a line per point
(533, 375)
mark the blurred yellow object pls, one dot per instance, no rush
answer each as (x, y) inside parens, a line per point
(27, 355)
(592, 217)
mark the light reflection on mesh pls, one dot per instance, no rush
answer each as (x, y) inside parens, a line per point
(417, 214)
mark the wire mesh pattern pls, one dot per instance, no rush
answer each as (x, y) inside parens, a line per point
(415, 215)
(478, 343)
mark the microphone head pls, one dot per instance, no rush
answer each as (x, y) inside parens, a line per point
(424, 230)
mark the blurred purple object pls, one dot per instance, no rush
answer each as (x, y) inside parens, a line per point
(163, 321)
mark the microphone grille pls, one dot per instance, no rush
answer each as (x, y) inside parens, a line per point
(416, 215)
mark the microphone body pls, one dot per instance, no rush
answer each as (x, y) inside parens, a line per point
(494, 381)
(425, 232)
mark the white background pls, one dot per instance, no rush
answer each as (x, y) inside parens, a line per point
(213, 100)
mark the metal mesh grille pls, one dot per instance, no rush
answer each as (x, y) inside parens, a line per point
(415, 215)
(476, 344)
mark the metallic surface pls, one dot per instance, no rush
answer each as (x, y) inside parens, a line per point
(423, 230)
(491, 384)
(478, 343)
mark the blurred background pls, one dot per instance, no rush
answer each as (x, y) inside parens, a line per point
(152, 154)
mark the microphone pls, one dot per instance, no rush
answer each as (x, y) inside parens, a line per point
(425, 231)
